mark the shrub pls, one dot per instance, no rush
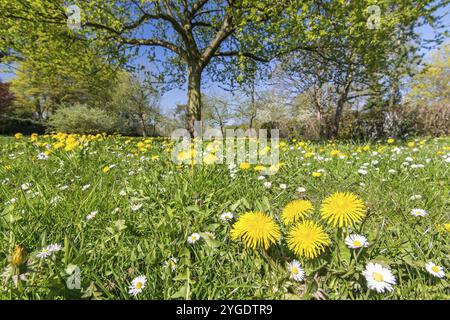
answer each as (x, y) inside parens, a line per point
(12, 125)
(82, 119)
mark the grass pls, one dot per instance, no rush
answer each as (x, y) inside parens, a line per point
(119, 244)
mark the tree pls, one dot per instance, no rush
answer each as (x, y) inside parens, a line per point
(6, 97)
(431, 85)
(136, 101)
(219, 111)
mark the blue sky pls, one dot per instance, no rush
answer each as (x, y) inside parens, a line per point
(178, 96)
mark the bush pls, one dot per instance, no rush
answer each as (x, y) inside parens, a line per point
(81, 119)
(12, 125)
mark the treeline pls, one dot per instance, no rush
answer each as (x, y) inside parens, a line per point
(313, 69)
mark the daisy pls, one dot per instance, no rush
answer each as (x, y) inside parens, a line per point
(297, 272)
(137, 285)
(256, 229)
(435, 270)
(301, 190)
(418, 212)
(267, 184)
(356, 241)
(362, 171)
(172, 263)
(379, 278)
(25, 186)
(84, 188)
(91, 215)
(226, 216)
(47, 251)
(193, 238)
(283, 186)
(42, 156)
(54, 247)
(415, 197)
(136, 207)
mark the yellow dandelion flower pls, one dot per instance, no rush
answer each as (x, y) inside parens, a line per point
(307, 239)
(411, 144)
(295, 210)
(18, 256)
(447, 226)
(256, 229)
(316, 174)
(106, 169)
(18, 136)
(244, 165)
(343, 209)
(390, 141)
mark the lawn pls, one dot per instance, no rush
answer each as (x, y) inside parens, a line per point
(84, 216)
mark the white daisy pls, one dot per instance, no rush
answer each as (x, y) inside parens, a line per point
(172, 263)
(297, 272)
(362, 171)
(356, 241)
(91, 215)
(415, 197)
(45, 253)
(379, 278)
(267, 184)
(193, 238)
(435, 270)
(25, 186)
(84, 188)
(136, 207)
(48, 250)
(301, 189)
(226, 216)
(42, 156)
(54, 247)
(137, 285)
(418, 212)
(122, 193)
(283, 186)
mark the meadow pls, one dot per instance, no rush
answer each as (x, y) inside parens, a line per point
(112, 217)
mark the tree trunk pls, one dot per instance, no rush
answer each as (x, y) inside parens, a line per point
(143, 127)
(194, 97)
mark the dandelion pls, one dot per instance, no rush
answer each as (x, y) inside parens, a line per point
(307, 239)
(379, 278)
(418, 212)
(244, 165)
(435, 270)
(226, 216)
(256, 229)
(316, 174)
(106, 169)
(295, 210)
(193, 238)
(137, 285)
(356, 241)
(297, 272)
(18, 256)
(343, 209)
